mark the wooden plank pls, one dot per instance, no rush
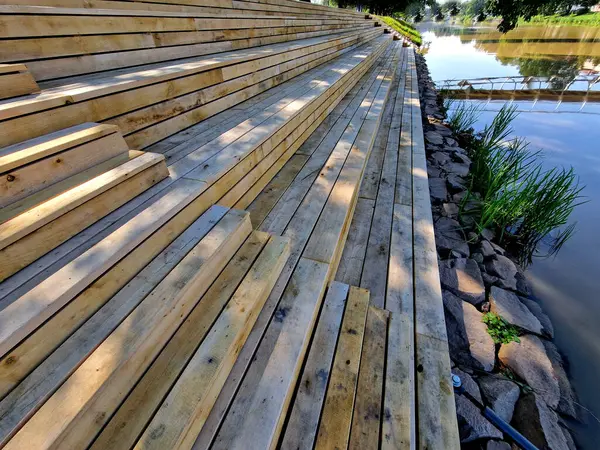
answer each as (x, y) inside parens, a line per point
(25, 180)
(366, 420)
(47, 236)
(35, 218)
(12, 68)
(23, 153)
(276, 365)
(20, 318)
(72, 416)
(301, 428)
(436, 412)
(352, 261)
(336, 419)
(21, 206)
(399, 414)
(135, 413)
(106, 303)
(17, 84)
(183, 412)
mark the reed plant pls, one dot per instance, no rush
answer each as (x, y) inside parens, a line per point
(511, 192)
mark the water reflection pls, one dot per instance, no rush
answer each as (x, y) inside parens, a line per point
(567, 285)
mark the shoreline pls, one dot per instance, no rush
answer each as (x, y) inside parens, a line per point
(525, 382)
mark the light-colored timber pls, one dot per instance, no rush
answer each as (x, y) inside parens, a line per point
(16, 80)
(336, 418)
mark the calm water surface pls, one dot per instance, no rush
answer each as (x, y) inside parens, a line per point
(567, 285)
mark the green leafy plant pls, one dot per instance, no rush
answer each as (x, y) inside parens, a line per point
(499, 329)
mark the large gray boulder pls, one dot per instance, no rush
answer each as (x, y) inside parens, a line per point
(536, 310)
(471, 424)
(539, 424)
(460, 169)
(500, 394)
(507, 305)
(439, 158)
(438, 190)
(469, 342)
(528, 359)
(567, 405)
(504, 269)
(462, 277)
(448, 237)
(486, 249)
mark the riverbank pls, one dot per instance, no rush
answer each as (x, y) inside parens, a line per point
(404, 28)
(589, 19)
(525, 382)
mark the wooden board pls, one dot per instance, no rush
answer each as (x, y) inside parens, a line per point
(23, 181)
(14, 84)
(366, 419)
(21, 317)
(336, 419)
(42, 238)
(75, 413)
(301, 428)
(276, 365)
(135, 413)
(184, 410)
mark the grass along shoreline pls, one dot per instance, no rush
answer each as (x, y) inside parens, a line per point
(527, 206)
(404, 28)
(589, 19)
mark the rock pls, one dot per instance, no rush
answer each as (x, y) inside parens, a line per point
(523, 286)
(448, 237)
(456, 183)
(536, 309)
(488, 280)
(451, 142)
(497, 445)
(504, 269)
(471, 423)
(434, 138)
(472, 237)
(463, 278)
(529, 361)
(477, 257)
(500, 394)
(437, 190)
(485, 307)
(488, 234)
(450, 210)
(433, 172)
(507, 305)
(486, 249)
(439, 158)
(460, 157)
(499, 250)
(462, 170)
(567, 405)
(539, 423)
(469, 342)
(443, 130)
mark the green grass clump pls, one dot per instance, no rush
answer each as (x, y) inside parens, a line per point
(591, 19)
(513, 195)
(404, 28)
(499, 329)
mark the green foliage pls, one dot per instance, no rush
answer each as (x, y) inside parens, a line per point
(512, 11)
(513, 195)
(404, 28)
(592, 19)
(451, 7)
(499, 329)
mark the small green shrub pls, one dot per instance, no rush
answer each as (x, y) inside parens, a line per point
(499, 329)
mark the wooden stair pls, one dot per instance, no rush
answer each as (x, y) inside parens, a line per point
(59, 184)
(187, 312)
(16, 80)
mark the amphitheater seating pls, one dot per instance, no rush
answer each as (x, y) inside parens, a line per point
(177, 201)
(16, 80)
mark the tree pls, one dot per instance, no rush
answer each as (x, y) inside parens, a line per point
(452, 7)
(512, 10)
(416, 10)
(476, 9)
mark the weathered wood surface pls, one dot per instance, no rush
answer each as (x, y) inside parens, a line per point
(16, 80)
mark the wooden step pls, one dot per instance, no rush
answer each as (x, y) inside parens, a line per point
(74, 414)
(275, 358)
(18, 155)
(16, 80)
(36, 164)
(220, 172)
(26, 237)
(26, 313)
(186, 95)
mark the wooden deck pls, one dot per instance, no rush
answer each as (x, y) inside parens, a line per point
(263, 275)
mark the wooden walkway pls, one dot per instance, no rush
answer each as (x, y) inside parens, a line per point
(263, 275)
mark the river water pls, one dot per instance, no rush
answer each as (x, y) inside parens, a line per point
(568, 285)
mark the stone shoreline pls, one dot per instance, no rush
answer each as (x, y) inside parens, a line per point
(478, 276)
